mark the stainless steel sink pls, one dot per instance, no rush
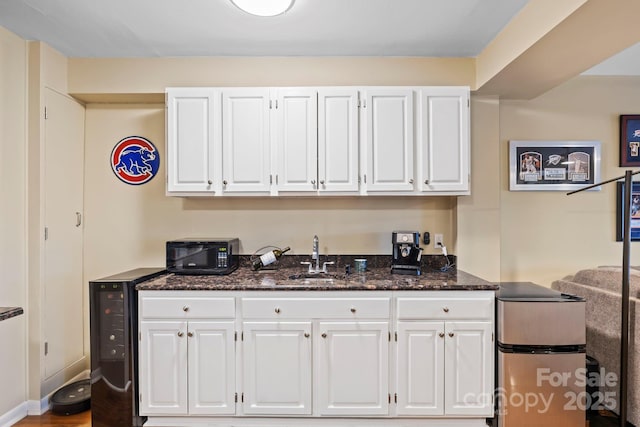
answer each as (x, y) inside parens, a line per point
(317, 276)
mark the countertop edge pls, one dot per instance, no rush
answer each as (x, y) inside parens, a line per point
(377, 280)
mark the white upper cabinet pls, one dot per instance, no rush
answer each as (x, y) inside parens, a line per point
(338, 140)
(295, 113)
(246, 141)
(318, 141)
(443, 139)
(193, 139)
(387, 139)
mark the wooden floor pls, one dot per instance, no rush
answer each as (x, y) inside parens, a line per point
(83, 419)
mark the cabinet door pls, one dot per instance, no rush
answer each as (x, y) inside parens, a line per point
(246, 143)
(296, 123)
(277, 368)
(163, 368)
(420, 368)
(338, 140)
(193, 139)
(469, 368)
(211, 368)
(443, 140)
(353, 368)
(388, 137)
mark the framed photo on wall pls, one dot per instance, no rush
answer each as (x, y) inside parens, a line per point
(553, 165)
(630, 140)
(635, 211)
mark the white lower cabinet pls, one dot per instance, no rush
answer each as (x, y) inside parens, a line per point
(163, 368)
(187, 367)
(468, 368)
(420, 373)
(445, 355)
(187, 357)
(412, 358)
(277, 368)
(353, 368)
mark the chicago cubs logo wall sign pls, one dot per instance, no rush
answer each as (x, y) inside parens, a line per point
(135, 160)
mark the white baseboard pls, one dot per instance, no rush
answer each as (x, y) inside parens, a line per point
(14, 415)
(39, 407)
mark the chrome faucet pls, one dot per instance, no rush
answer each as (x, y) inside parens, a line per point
(316, 252)
(315, 255)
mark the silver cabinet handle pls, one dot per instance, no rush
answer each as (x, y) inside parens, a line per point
(189, 334)
(185, 308)
(445, 309)
(78, 219)
(441, 334)
(450, 334)
(180, 333)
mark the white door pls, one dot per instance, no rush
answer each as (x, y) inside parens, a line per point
(211, 368)
(469, 368)
(296, 131)
(277, 368)
(193, 140)
(420, 368)
(246, 143)
(338, 140)
(63, 289)
(443, 140)
(388, 136)
(353, 368)
(163, 368)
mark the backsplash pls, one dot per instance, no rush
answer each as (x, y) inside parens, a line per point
(428, 262)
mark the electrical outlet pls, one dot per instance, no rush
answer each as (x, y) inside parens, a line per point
(437, 240)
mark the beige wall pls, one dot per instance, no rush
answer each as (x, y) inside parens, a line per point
(497, 234)
(126, 226)
(103, 79)
(13, 218)
(547, 235)
(478, 215)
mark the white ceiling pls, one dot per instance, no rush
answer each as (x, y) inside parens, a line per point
(161, 28)
(625, 63)
(150, 28)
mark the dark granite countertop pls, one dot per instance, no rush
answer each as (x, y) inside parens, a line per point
(289, 279)
(8, 312)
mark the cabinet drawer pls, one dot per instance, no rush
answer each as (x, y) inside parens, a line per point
(445, 308)
(325, 308)
(187, 307)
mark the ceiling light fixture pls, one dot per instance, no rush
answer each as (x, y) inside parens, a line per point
(264, 7)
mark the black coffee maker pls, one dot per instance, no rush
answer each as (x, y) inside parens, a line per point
(406, 252)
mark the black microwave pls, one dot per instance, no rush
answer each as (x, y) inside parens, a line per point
(202, 256)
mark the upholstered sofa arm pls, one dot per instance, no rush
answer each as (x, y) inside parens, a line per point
(602, 287)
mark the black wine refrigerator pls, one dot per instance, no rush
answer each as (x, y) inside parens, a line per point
(113, 308)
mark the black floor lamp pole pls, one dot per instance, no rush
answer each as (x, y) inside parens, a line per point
(626, 268)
